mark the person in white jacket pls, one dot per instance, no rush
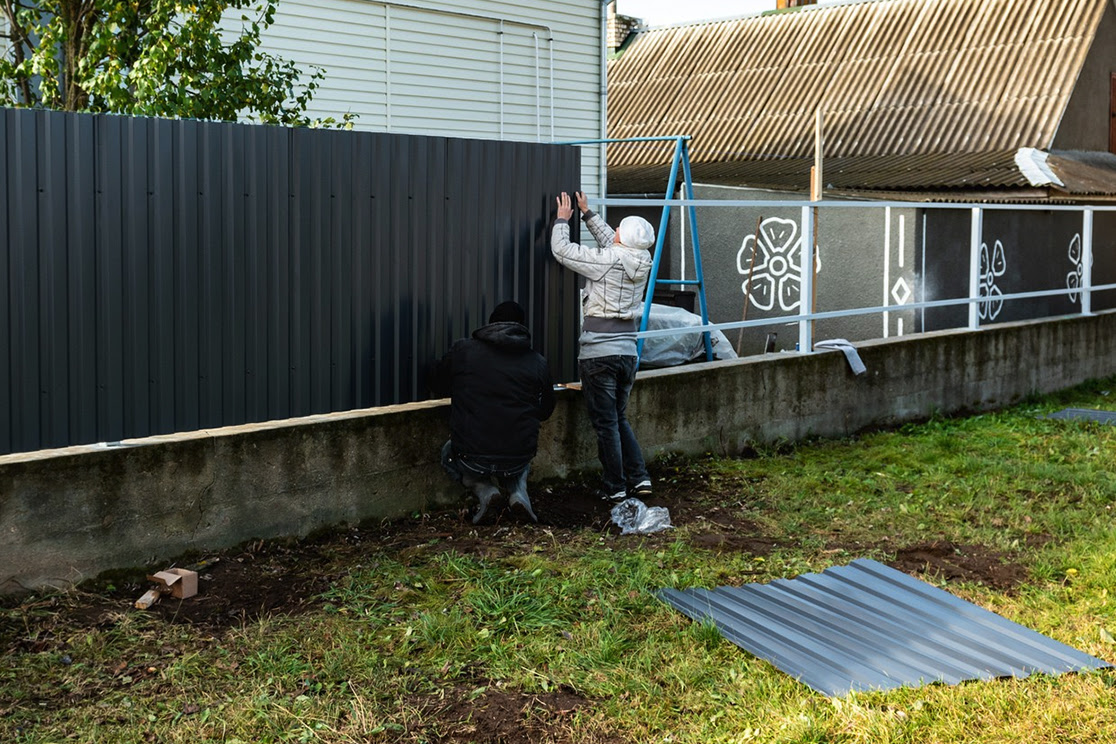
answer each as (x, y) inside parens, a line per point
(616, 272)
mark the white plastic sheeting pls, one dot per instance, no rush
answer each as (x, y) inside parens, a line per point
(685, 347)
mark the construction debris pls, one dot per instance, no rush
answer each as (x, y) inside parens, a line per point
(150, 597)
(633, 517)
(180, 583)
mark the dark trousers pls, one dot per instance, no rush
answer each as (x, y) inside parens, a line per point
(511, 473)
(606, 383)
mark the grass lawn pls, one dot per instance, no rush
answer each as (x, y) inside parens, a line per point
(432, 629)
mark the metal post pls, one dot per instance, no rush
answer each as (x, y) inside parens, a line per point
(806, 287)
(816, 179)
(699, 275)
(974, 267)
(682, 229)
(538, 91)
(886, 268)
(672, 182)
(1087, 262)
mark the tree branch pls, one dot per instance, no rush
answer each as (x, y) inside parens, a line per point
(19, 40)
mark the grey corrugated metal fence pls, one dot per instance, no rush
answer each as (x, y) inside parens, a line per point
(161, 276)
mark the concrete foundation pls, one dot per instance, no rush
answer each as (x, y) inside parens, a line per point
(69, 514)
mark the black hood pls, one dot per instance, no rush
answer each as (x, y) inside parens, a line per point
(507, 336)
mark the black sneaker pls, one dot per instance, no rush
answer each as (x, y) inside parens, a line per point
(642, 490)
(614, 498)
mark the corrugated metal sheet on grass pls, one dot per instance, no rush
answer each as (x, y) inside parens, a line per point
(1085, 414)
(899, 77)
(866, 626)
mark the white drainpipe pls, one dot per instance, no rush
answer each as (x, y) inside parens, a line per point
(501, 32)
(550, 41)
(602, 168)
(538, 91)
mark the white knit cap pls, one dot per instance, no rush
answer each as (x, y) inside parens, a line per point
(636, 232)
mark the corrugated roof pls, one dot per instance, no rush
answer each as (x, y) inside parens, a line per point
(969, 174)
(893, 78)
(1085, 172)
(895, 172)
(866, 626)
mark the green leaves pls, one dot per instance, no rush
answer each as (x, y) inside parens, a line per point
(154, 58)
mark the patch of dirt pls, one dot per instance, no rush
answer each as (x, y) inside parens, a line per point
(942, 559)
(241, 586)
(492, 715)
(724, 539)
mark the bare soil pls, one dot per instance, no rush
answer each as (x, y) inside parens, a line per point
(944, 560)
(488, 714)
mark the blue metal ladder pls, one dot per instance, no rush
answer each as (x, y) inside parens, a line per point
(681, 157)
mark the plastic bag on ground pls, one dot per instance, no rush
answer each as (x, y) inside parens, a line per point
(633, 517)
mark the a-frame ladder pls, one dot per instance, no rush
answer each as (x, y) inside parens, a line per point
(681, 158)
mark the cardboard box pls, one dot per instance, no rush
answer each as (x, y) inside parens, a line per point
(179, 582)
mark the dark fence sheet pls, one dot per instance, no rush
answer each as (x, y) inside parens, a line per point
(866, 626)
(1085, 414)
(161, 276)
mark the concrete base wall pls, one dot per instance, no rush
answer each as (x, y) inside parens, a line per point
(67, 515)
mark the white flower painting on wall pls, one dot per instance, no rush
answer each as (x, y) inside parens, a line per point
(1073, 278)
(772, 270)
(993, 264)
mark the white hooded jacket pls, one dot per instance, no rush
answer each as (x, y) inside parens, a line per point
(617, 274)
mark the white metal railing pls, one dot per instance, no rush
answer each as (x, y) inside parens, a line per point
(806, 255)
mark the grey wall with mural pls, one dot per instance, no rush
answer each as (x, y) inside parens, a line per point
(870, 257)
(1020, 252)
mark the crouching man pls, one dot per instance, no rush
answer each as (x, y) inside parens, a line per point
(500, 391)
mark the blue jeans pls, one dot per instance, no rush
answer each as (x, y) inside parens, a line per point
(606, 383)
(510, 475)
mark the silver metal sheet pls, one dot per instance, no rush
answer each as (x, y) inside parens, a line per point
(1085, 414)
(866, 626)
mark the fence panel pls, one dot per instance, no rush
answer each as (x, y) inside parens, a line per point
(162, 276)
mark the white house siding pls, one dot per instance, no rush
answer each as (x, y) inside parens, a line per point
(513, 70)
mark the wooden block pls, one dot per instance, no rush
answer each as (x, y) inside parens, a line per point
(150, 597)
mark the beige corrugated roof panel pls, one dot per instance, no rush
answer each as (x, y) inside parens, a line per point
(892, 78)
(1058, 174)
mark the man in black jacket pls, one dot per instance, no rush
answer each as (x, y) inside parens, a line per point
(500, 390)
